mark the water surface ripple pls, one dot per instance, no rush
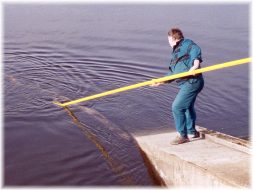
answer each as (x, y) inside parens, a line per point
(65, 52)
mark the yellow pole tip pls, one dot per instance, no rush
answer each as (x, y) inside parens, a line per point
(58, 103)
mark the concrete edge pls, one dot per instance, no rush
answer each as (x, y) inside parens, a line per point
(160, 167)
(226, 140)
(169, 178)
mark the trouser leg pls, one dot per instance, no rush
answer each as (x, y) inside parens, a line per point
(183, 107)
(190, 116)
(179, 114)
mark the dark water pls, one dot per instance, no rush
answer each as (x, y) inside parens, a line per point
(60, 52)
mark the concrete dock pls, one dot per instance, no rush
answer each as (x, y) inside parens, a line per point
(213, 160)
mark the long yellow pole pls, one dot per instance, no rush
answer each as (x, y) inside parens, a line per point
(163, 79)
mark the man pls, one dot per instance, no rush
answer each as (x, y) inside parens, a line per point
(186, 56)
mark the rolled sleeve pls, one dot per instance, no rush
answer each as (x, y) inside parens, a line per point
(195, 53)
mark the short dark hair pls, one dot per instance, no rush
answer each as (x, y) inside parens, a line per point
(176, 33)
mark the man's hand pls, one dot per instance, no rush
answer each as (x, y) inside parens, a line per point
(193, 72)
(156, 84)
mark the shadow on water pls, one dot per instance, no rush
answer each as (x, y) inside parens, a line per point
(118, 148)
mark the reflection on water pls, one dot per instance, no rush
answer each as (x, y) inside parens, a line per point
(64, 52)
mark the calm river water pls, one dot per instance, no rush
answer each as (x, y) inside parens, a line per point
(64, 52)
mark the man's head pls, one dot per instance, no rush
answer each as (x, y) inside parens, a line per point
(174, 35)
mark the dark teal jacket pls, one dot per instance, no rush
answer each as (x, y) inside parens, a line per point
(183, 55)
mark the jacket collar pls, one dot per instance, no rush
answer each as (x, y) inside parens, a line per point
(177, 44)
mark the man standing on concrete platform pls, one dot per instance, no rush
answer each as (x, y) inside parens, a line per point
(186, 56)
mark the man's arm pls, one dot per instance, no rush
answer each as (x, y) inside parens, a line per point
(195, 55)
(196, 64)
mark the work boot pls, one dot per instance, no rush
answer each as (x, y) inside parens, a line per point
(194, 135)
(179, 140)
